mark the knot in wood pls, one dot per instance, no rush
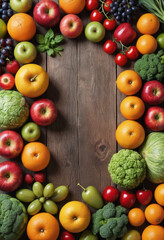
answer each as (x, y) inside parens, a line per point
(102, 148)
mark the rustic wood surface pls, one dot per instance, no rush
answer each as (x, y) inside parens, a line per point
(82, 140)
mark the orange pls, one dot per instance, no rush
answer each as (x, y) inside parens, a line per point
(35, 156)
(129, 82)
(72, 6)
(153, 232)
(31, 80)
(43, 226)
(136, 217)
(75, 216)
(148, 23)
(130, 134)
(146, 44)
(154, 214)
(159, 194)
(21, 27)
(132, 107)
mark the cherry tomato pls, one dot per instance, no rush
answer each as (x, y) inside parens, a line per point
(66, 236)
(110, 47)
(109, 24)
(144, 196)
(110, 194)
(107, 5)
(132, 53)
(92, 5)
(121, 59)
(96, 16)
(127, 199)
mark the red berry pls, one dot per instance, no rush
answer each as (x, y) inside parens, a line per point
(107, 5)
(39, 177)
(28, 179)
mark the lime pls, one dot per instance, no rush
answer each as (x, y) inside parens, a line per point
(3, 28)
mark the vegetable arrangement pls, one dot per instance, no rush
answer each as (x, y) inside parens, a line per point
(112, 211)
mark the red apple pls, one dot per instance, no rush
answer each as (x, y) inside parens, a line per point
(43, 112)
(11, 144)
(71, 26)
(154, 118)
(7, 81)
(47, 13)
(124, 33)
(11, 176)
(153, 92)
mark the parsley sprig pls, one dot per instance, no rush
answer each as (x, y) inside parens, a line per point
(50, 43)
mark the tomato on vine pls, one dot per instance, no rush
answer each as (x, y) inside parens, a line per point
(132, 53)
(92, 5)
(96, 16)
(110, 47)
(107, 5)
(109, 24)
(121, 59)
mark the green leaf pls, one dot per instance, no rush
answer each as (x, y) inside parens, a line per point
(59, 38)
(59, 48)
(41, 48)
(50, 52)
(40, 38)
(49, 34)
(53, 43)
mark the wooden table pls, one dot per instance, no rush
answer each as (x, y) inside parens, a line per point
(82, 139)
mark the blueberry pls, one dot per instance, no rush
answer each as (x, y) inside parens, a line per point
(2, 62)
(4, 5)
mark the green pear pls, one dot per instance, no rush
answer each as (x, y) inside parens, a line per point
(92, 196)
(88, 235)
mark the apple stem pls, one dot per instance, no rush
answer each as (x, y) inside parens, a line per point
(81, 186)
(33, 78)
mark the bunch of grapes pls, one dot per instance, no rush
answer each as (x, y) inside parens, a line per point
(6, 50)
(5, 10)
(124, 10)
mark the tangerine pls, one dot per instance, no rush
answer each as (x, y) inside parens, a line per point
(148, 23)
(154, 214)
(153, 232)
(72, 6)
(159, 194)
(136, 217)
(146, 44)
(21, 27)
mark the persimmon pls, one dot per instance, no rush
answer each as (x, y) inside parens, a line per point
(148, 23)
(35, 156)
(129, 82)
(132, 107)
(154, 214)
(43, 226)
(130, 134)
(159, 194)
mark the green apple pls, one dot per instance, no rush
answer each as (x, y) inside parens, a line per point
(88, 235)
(94, 31)
(25, 52)
(21, 6)
(3, 29)
(30, 132)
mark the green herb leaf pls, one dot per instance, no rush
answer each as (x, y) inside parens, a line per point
(59, 38)
(59, 48)
(40, 38)
(41, 48)
(49, 34)
(53, 43)
(50, 52)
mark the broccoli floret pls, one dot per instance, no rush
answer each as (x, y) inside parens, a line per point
(113, 222)
(127, 168)
(13, 218)
(151, 66)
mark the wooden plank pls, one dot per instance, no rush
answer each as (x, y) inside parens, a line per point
(62, 139)
(96, 114)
